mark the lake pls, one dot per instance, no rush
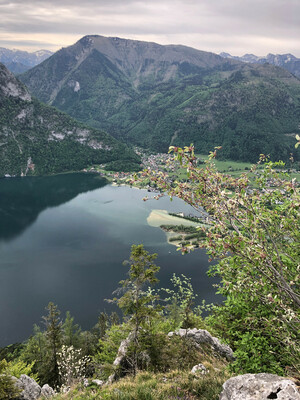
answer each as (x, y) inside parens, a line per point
(64, 238)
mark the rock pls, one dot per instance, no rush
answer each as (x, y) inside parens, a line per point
(259, 387)
(98, 382)
(47, 391)
(199, 370)
(201, 336)
(31, 390)
(65, 389)
(85, 382)
(121, 356)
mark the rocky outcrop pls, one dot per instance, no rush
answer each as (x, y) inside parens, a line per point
(197, 336)
(11, 87)
(201, 336)
(259, 387)
(121, 357)
(31, 390)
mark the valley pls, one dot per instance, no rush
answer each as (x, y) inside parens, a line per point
(117, 158)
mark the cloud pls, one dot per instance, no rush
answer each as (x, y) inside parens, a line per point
(257, 26)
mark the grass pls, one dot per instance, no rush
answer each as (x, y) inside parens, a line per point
(236, 168)
(162, 386)
(173, 381)
(228, 166)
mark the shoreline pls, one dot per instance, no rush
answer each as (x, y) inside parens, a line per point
(161, 217)
(157, 218)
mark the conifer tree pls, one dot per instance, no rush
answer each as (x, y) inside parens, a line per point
(8, 390)
(71, 331)
(137, 302)
(103, 324)
(54, 338)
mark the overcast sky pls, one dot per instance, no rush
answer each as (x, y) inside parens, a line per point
(233, 26)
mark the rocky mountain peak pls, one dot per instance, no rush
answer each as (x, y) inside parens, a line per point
(139, 55)
(10, 86)
(287, 61)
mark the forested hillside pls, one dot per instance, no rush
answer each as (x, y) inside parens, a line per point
(155, 96)
(38, 139)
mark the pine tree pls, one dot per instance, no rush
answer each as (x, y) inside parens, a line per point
(137, 302)
(54, 338)
(71, 332)
(103, 324)
(8, 390)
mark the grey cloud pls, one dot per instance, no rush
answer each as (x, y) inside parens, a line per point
(30, 43)
(237, 21)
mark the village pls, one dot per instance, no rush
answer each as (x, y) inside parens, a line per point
(154, 162)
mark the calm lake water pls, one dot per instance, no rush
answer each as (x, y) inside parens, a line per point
(63, 239)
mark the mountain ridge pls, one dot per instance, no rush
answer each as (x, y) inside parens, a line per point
(287, 61)
(154, 96)
(134, 53)
(19, 61)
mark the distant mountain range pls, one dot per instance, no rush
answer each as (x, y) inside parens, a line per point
(38, 139)
(18, 61)
(156, 96)
(286, 61)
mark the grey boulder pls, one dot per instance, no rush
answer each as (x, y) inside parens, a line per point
(201, 336)
(47, 391)
(30, 389)
(259, 387)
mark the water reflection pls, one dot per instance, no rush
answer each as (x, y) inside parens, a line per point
(22, 200)
(73, 248)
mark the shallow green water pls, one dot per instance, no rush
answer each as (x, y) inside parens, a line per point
(64, 238)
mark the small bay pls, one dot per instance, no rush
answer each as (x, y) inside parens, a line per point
(63, 239)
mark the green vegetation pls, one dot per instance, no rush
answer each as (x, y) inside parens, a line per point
(43, 350)
(122, 166)
(177, 384)
(179, 228)
(247, 108)
(52, 156)
(193, 219)
(159, 366)
(135, 300)
(255, 236)
(7, 388)
(227, 166)
(187, 233)
(38, 139)
(58, 354)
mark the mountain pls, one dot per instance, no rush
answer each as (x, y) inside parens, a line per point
(155, 96)
(38, 139)
(286, 61)
(18, 61)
